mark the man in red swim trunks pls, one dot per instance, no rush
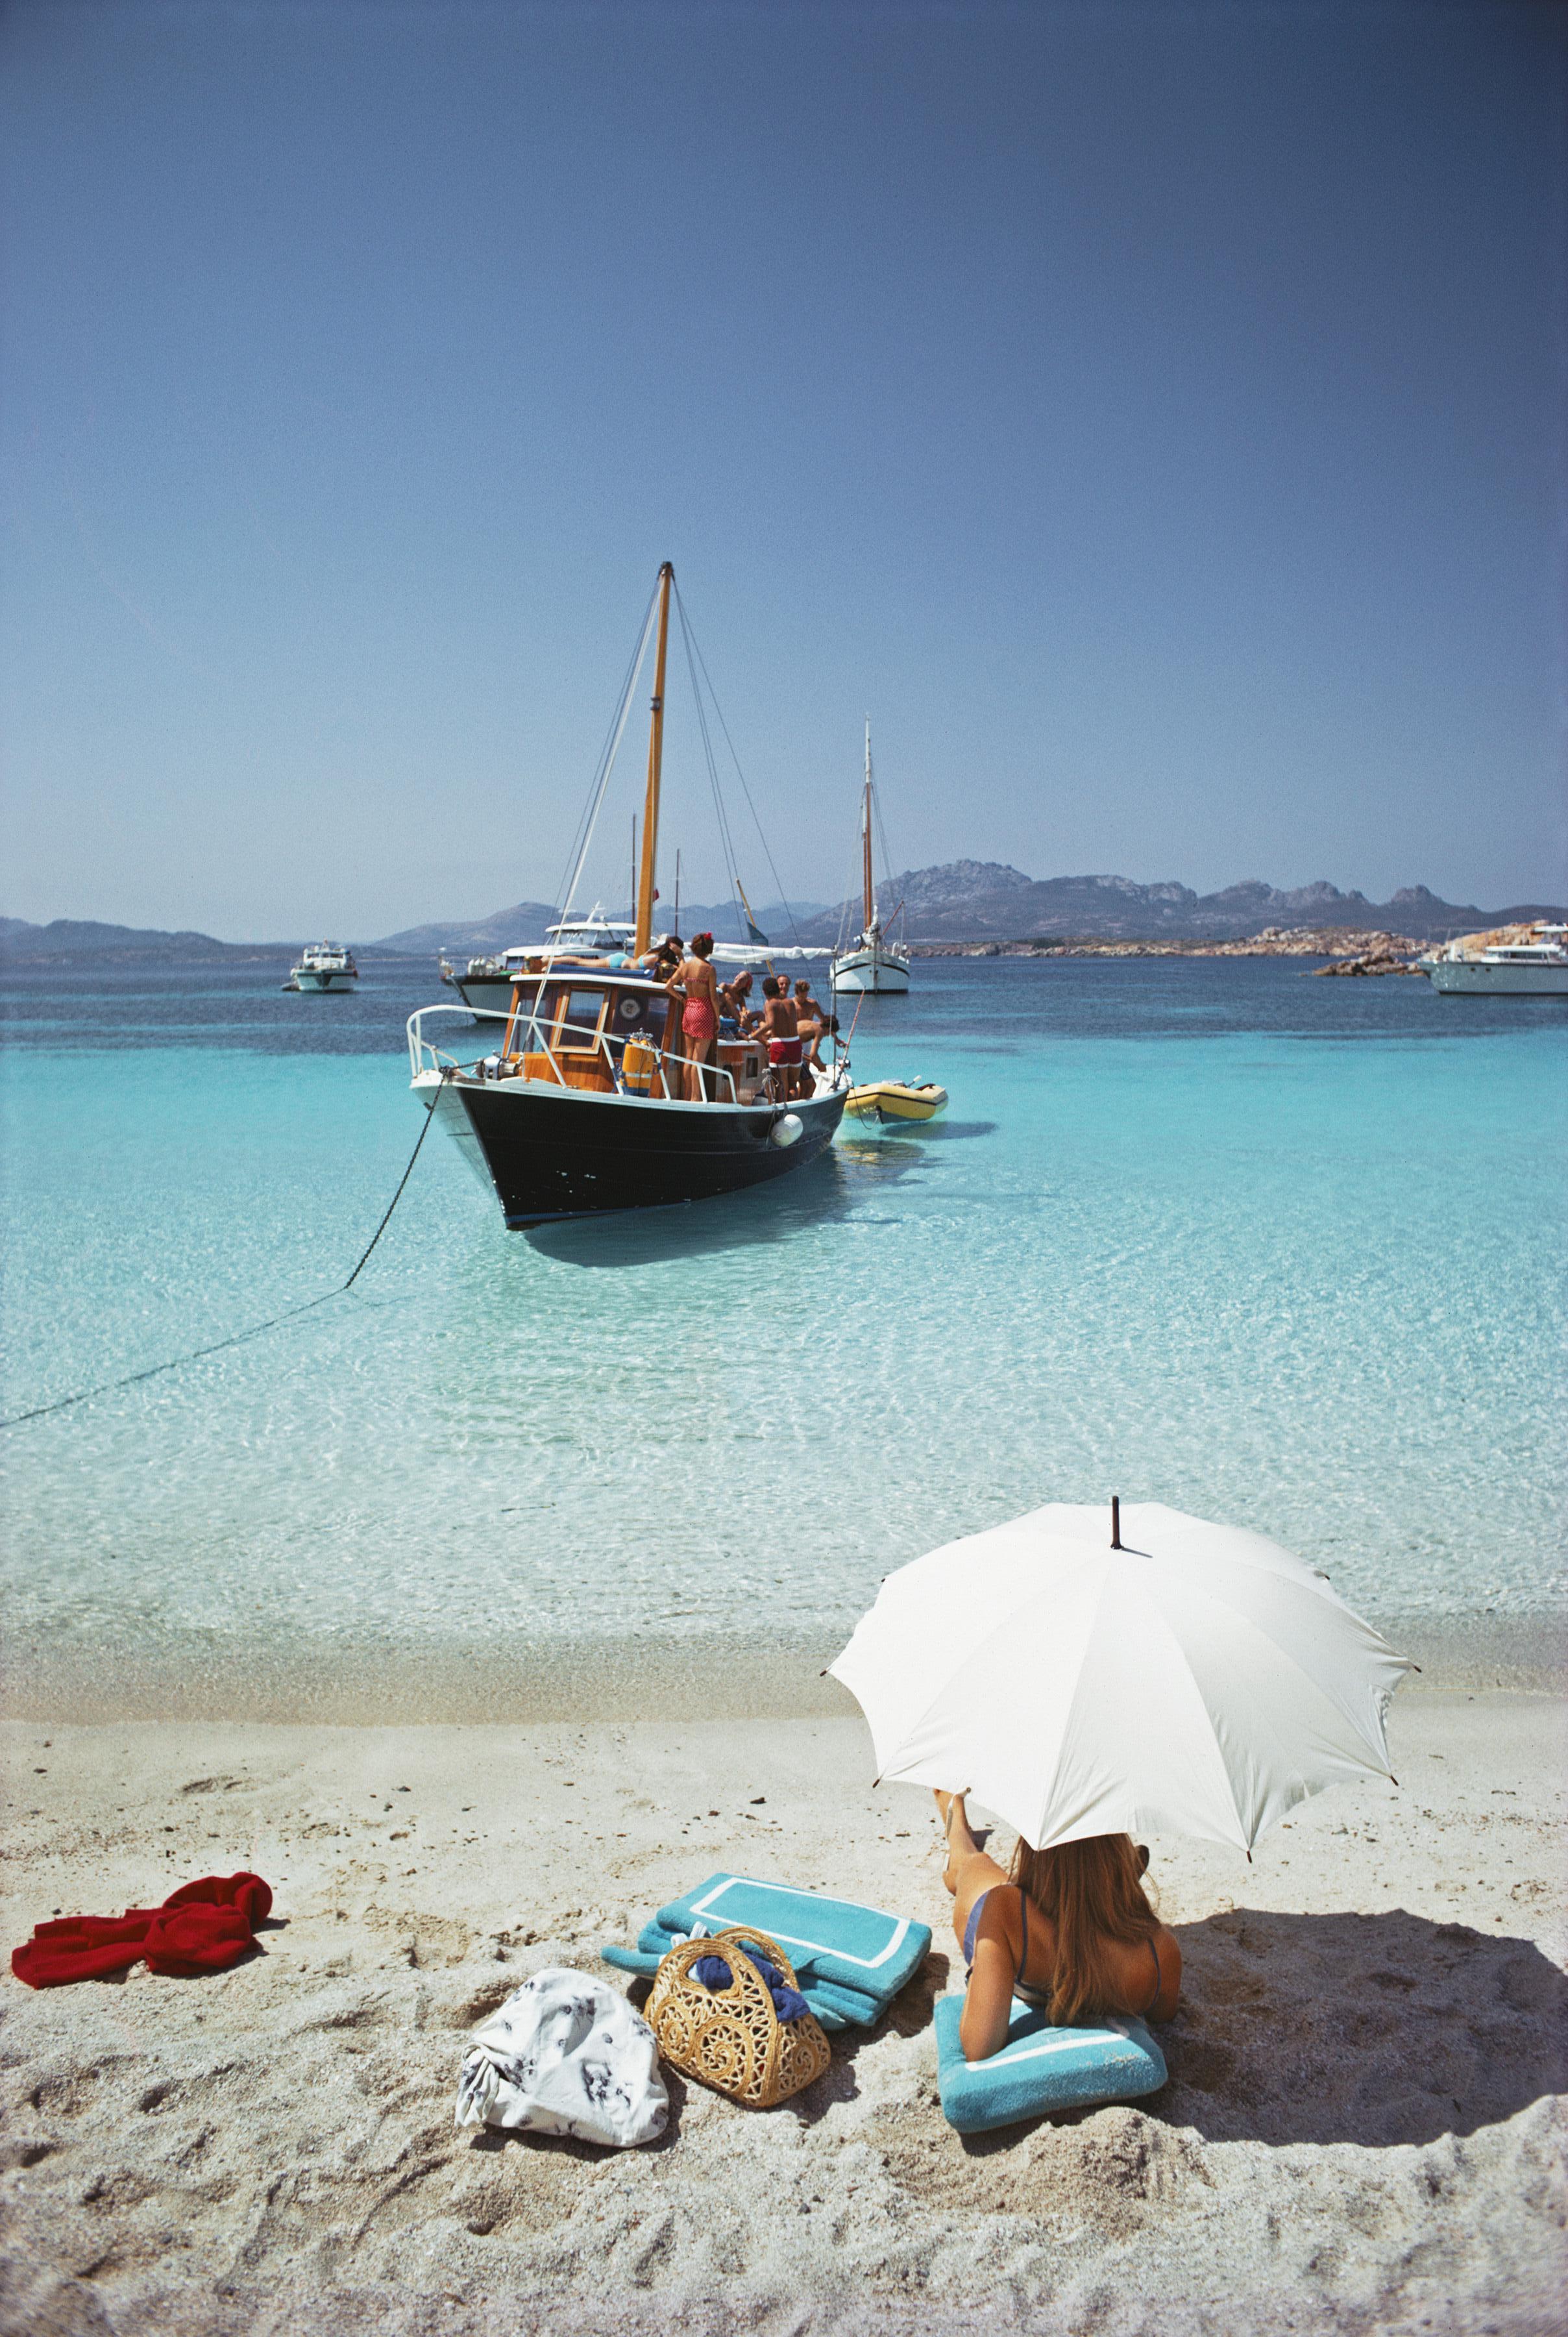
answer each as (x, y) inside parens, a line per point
(781, 1028)
(695, 980)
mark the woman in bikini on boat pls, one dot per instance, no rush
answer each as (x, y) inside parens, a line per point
(1068, 1930)
(694, 980)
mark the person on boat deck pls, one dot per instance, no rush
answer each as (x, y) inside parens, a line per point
(806, 1006)
(734, 999)
(1067, 1928)
(695, 981)
(810, 1021)
(826, 1028)
(781, 1029)
(729, 1011)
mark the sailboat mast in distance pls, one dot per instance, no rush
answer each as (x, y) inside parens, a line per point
(870, 905)
(645, 887)
(873, 963)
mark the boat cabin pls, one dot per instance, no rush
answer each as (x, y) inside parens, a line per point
(616, 1034)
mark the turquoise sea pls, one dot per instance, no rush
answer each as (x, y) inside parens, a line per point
(1275, 1250)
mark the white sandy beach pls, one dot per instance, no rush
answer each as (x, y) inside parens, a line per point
(1363, 2130)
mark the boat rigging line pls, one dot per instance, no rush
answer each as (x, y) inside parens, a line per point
(695, 648)
(239, 1338)
(571, 876)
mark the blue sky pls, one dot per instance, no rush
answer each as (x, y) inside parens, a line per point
(1153, 415)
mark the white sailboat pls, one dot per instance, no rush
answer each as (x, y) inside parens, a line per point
(873, 963)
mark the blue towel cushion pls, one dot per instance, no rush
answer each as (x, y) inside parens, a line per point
(1040, 2069)
(857, 1948)
(851, 1961)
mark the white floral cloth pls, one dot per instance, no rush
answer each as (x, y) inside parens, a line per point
(565, 2054)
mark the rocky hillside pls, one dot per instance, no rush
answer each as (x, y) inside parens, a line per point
(975, 900)
(84, 939)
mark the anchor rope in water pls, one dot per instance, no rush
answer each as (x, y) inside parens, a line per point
(239, 1339)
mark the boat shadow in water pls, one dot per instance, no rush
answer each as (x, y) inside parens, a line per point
(952, 1131)
(836, 1187)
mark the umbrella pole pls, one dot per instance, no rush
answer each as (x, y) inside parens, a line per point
(1116, 1522)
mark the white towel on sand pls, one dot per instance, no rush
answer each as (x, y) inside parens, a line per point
(565, 2054)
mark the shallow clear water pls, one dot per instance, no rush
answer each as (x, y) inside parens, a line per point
(1274, 1250)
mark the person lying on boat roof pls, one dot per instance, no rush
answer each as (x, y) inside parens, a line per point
(663, 960)
(695, 980)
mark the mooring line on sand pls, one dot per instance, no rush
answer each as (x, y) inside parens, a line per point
(239, 1339)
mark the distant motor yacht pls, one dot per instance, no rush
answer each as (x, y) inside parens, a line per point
(1531, 969)
(323, 966)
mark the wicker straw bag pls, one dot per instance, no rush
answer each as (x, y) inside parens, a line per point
(731, 2037)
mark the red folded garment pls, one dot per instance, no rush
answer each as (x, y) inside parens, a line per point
(204, 1926)
(247, 1892)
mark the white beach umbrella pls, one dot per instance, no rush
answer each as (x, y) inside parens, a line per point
(1180, 1678)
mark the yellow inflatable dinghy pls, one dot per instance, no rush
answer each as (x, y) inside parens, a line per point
(897, 1099)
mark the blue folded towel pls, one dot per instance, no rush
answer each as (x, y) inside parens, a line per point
(1040, 2069)
(851, 1961)
(787, 2003)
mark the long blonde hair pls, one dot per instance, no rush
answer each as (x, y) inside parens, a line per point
(1093, 1891)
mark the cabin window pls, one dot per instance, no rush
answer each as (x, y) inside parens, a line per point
(578, 1024)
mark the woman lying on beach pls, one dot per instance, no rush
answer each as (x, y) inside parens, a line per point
(1068, 1930)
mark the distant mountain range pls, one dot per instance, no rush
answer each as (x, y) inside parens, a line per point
(84, 938)
(962, 900)
(984, 900)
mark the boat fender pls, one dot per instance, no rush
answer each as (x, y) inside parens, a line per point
(785, 1130)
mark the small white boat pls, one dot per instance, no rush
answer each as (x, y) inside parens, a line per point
(1531, 969)
(871, 962)
(323, 966)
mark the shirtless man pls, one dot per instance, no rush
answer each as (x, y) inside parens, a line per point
(694, 980)
(826, 1028)
(811, 1023)
(781, 1028)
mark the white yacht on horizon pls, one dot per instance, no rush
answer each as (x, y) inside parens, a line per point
(323, 966)
(1537, 968)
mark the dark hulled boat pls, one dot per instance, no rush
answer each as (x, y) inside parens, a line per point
(581, 1106)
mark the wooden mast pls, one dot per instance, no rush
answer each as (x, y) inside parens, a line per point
(866, 834)
(645, 886)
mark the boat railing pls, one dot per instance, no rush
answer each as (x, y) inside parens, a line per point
(425, 1056)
